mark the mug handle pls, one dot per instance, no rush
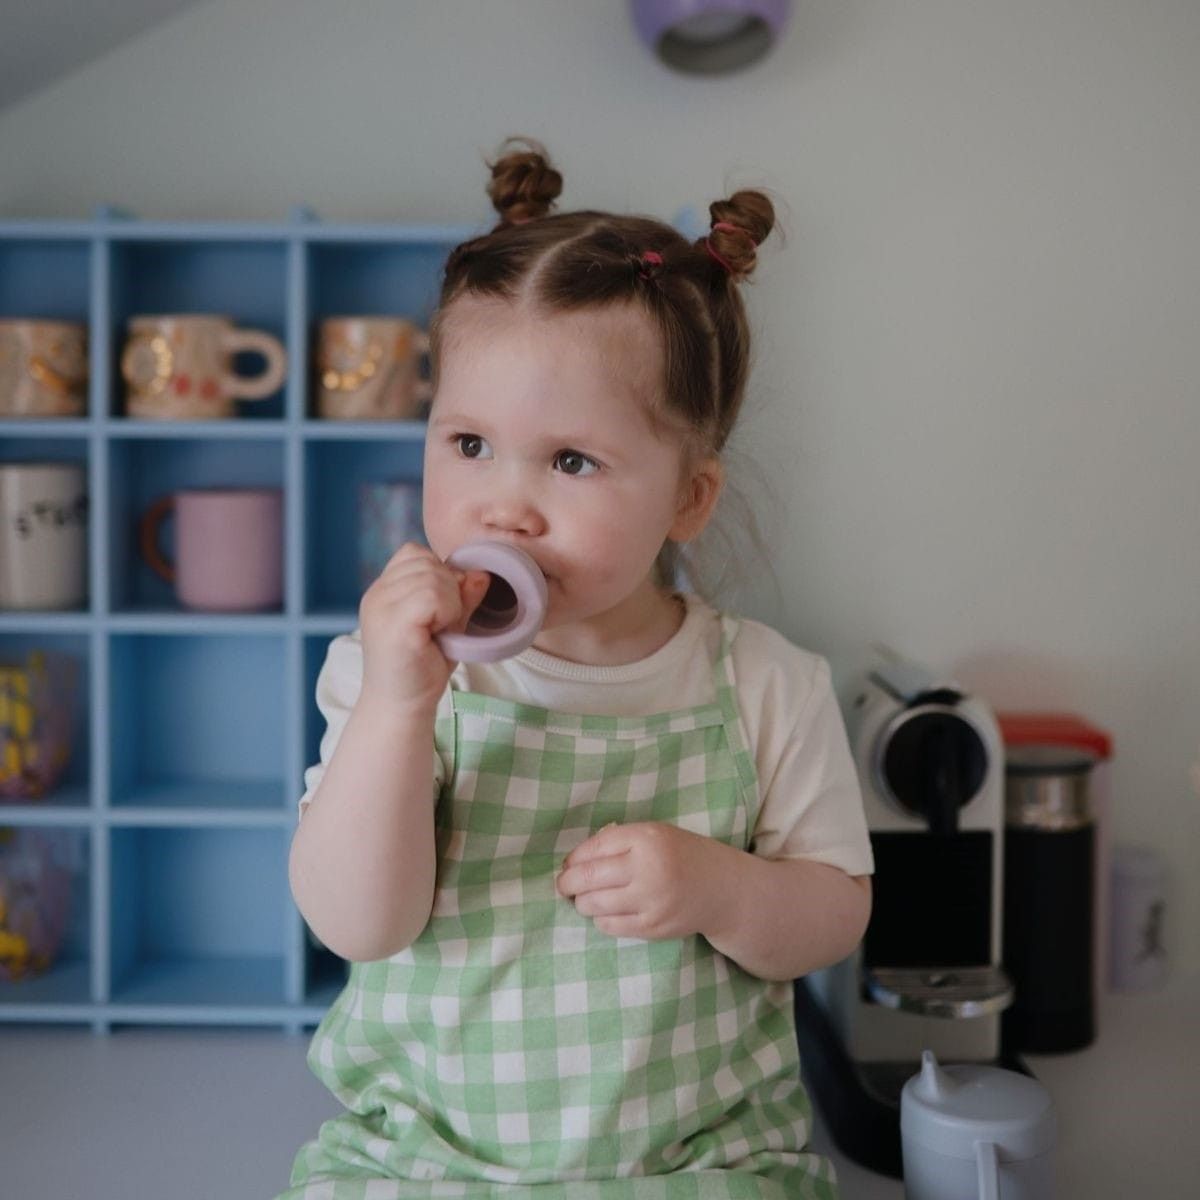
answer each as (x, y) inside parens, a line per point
(258, 387)
(989, 1170)
(148, 530)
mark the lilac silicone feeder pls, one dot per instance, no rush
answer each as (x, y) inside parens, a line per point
(709, 37)
(512, 610)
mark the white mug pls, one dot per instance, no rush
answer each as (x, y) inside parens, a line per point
(43, 535)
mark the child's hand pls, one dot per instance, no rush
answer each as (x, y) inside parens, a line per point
(647, 880)
(415, 597)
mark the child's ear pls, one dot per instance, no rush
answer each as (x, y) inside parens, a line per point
(698, 497)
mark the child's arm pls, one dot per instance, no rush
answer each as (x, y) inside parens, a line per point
(363, 862)
(776, 918)
(782, 918)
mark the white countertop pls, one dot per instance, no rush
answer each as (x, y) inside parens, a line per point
(200, 1114)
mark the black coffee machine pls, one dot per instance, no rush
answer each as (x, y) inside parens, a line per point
(927, 976)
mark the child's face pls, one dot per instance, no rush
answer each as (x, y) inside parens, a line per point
(539, 437)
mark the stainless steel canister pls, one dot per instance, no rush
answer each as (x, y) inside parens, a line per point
(1046, 787)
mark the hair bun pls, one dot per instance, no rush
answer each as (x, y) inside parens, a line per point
(739, 226)
(524, 184)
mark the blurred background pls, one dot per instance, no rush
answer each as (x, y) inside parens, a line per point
(973, 431)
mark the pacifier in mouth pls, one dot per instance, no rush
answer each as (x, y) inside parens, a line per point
(512, 610)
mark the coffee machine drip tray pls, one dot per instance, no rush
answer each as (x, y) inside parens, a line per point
(940, 991)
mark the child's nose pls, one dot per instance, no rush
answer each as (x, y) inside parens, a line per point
(510, 513)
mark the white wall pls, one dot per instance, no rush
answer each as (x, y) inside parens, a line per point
(979, 351)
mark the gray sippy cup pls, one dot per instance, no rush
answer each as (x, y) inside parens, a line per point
(976, 1131)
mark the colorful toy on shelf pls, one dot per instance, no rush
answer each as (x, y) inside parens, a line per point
(35, 899)
(37, 714)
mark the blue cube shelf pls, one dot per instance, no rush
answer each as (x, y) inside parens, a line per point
(194, 729)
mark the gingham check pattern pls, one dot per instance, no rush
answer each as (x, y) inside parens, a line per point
(515, 1050)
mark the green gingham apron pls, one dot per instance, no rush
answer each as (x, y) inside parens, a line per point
(515, 1050)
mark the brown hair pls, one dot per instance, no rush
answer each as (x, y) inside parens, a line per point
(563, 262)
(578, 260)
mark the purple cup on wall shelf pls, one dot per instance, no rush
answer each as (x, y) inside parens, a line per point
(389, 514)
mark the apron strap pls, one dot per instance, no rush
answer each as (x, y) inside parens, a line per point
(725, 684)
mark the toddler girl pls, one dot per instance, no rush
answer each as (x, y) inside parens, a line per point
(575, 886)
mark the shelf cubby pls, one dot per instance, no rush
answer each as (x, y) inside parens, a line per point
(45, 277)
(197, 722)
(198, 917)
(394, 278)
(193, 729)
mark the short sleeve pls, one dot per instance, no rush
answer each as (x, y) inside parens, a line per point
(811, 802)
(338, 685)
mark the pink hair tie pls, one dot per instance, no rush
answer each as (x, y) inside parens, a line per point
(651, 258)
(716, 257)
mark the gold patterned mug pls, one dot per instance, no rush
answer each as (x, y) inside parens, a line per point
(368, 368)
(43, 368)
(181, 367)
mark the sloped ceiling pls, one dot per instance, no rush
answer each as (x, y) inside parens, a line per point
(41, 41)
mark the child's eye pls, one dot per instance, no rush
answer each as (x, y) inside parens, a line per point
(572, 462)
(471, 445)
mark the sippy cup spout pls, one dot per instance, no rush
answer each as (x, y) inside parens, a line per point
(934, 1083)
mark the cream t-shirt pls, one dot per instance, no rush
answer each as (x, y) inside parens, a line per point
(811, 805)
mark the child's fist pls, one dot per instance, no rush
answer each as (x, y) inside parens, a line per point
(646, 880)
(415, 597)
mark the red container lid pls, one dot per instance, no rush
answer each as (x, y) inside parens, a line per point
(1054, 729)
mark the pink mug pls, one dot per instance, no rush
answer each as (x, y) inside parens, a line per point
(228, 547)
